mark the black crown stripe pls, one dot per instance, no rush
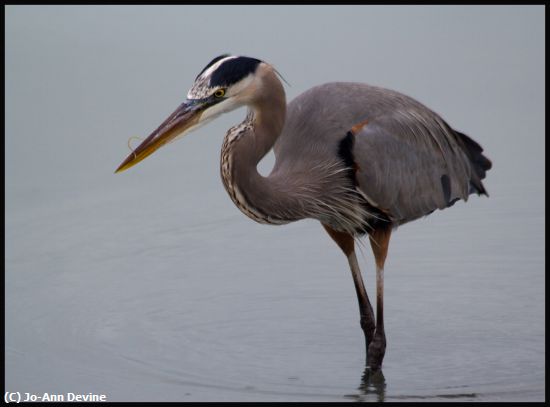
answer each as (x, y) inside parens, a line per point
(212, 63)
(233, 70)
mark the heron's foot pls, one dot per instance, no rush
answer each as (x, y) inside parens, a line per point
(376, 351)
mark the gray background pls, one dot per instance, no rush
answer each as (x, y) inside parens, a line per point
(150, 285)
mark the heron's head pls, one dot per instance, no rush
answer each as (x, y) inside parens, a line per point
(225, 84)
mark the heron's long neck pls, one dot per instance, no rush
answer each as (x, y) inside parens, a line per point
(263, 199)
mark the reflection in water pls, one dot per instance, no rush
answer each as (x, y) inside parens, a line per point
(372, 387)
(373, 383)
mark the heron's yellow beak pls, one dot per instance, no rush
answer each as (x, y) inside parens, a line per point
(186, 116)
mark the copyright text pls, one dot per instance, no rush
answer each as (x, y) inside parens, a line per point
(19, 397)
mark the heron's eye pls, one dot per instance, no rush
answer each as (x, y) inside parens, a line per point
(220, 93)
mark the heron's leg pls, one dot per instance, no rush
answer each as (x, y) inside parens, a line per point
(379, 240)
(346, 243)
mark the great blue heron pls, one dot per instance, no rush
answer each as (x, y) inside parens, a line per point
(358, 158)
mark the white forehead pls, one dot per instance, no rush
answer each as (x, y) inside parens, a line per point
(213, 67)
(201, 88)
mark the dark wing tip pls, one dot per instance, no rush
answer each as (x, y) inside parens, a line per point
(480, 163)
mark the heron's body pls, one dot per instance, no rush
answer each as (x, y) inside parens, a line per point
(358, 158)
(405, 160)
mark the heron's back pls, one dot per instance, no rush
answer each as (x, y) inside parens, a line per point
(407, 160)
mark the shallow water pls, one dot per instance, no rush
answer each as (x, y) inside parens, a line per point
(218, 308)
(151, 286)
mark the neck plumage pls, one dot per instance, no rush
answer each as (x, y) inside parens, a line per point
(263, 199)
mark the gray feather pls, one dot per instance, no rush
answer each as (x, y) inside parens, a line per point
(402, 152)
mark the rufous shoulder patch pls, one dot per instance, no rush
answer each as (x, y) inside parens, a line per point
(357, 128)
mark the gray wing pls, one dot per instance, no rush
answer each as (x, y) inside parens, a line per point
(410, 163)
(407, 160)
